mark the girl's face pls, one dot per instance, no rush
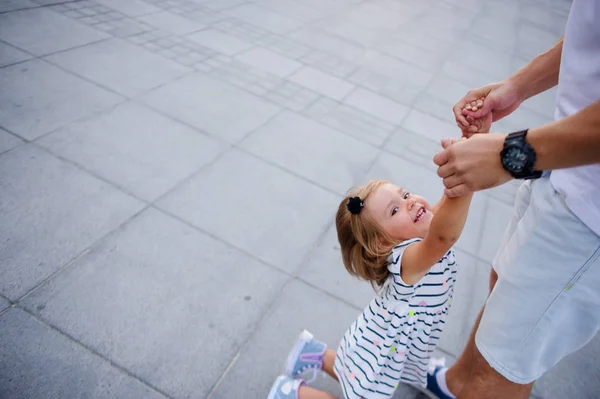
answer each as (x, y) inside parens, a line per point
(400, 214)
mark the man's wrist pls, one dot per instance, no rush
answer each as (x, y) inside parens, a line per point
(520, 83)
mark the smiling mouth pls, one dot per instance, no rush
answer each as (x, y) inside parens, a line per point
(420, 214)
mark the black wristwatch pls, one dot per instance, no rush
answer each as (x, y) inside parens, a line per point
(518, 157)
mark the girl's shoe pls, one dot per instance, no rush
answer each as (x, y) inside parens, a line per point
(285, 388)
(306, 354)
(433, 386)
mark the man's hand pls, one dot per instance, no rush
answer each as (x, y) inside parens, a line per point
(485, 105)
(471, 165)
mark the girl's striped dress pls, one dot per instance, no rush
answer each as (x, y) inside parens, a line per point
(395, 336)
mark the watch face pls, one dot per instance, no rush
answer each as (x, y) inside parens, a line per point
(515, 159)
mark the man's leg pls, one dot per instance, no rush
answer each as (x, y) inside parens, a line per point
(460, 372)
(485, 382)
(545, 303)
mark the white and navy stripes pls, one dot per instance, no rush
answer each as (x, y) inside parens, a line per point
(393, 339)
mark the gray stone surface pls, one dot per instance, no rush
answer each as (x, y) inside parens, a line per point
(207, 104)
(238, 124)
(175, 24)
(4, 304)
(255, 191)
(120, 66)
(56, 211)
(177, 291)
(43, 98)
(135, 148)
(322, 83)
(11, 55)
(269, 61)
(13, 5)
(132, 8)
(8, 141)
(299, 307)
(36, 359)
(325, 270)
(219, 41)
(305, 147)
(376, 105)
(40, 31)
(263, 18)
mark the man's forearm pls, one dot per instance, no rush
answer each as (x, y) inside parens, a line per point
(571, 141)
(540, 74)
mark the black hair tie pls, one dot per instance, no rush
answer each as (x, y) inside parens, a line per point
(354, 205)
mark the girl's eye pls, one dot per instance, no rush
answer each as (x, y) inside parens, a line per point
(394, 210)
(406, 195)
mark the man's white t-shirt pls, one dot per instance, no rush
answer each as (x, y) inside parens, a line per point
(578, 87)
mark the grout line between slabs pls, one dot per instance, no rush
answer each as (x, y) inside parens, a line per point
(96, 353)
(268, 311)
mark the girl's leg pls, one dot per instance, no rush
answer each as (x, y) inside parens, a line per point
(306, 392)
(328, 361)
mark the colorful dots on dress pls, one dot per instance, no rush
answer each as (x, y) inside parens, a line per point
(376, 343)
(439, 311)
(411, 313)
(393, 348)
(352, 375)
(444, 284)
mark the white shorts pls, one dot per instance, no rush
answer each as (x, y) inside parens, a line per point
(546, 302)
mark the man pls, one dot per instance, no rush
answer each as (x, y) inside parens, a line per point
(545, 303)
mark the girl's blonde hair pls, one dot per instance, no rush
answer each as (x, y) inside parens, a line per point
(365, 246)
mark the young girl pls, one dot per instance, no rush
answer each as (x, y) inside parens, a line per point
(402, 245)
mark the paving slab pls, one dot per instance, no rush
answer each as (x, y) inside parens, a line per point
(182, 298)
(325, 270)
(322, 83)
(8, 141)
(206, 103)
(133, 8)
(14, 5)
(175, 24)
(55, 210)
(43, 98)
(377, 105)
(4, 304)
(260, 200)
(120, 66)
(135, 148)
(577, 374)
(40, 31)
(219, 41)
(38, 361)
(269, 61)
(11, 55)
(306, 147)
(264, 18)
(299, 307)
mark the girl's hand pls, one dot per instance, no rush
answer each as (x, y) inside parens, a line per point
(476, 125)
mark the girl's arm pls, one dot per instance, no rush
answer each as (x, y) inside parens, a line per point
(445, 229)
(437, 206)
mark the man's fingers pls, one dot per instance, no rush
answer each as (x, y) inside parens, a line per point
(456, 191)
(446, 170)
(441, 158)
(452, 181)
(448, 142)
